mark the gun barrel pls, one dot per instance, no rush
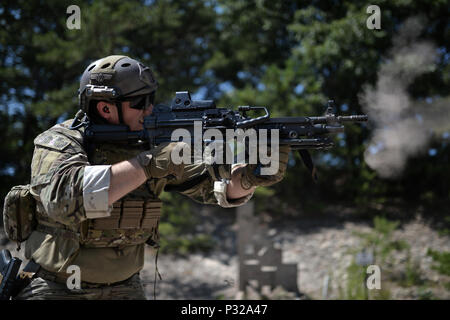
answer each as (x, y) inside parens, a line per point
(355, 118)
(333, 129)
(333, 119)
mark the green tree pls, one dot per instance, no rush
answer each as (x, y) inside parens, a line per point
(328, 52)
(41, 60)
(291, 56)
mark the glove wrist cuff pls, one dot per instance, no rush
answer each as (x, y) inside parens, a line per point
(144, 159)
(246, 182)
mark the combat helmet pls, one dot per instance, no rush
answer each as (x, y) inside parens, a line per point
(115, 79)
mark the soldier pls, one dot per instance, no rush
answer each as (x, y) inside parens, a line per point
(98, 205)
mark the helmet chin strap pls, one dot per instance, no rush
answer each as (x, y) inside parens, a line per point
(119, 112)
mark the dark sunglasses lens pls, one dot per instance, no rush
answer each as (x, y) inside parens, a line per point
(142, 102)
(138, 103)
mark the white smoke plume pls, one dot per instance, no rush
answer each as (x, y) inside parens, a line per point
(403, 126)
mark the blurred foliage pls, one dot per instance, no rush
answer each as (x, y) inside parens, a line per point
(412, 275)
(380, 245)
(445, 229)
(177, 227)
(380, 242)
(441, 263)
(289, 55)
(355, 286)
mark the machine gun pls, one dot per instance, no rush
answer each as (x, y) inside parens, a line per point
(301, 133)
(9, 269)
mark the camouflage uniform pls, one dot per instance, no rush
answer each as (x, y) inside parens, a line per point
(43, 289)
(109, 249)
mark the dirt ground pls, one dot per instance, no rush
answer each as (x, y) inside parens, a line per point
(320, 248)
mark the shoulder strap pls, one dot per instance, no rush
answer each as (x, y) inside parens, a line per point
(187, 184)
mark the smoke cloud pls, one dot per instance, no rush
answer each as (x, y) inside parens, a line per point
(403, 126)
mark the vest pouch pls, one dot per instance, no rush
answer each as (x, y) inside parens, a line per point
(132, 222)
(19, 213)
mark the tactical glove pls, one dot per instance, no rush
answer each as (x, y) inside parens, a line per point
(251, 176)
(217, 171)
(157, 162)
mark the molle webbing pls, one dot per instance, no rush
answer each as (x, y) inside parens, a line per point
(131, 222)
(131, 214)
(64, 233)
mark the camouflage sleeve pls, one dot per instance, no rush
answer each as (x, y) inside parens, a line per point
(57, 171)
(198, 185)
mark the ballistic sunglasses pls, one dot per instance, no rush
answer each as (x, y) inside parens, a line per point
(141, 102)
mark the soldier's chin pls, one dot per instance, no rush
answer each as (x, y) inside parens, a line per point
(136, 127)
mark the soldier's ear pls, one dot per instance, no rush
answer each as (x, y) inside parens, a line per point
(104, 110)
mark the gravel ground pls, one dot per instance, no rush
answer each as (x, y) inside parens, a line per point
(319, 247)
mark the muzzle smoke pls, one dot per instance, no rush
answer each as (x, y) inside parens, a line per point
(403, 126)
